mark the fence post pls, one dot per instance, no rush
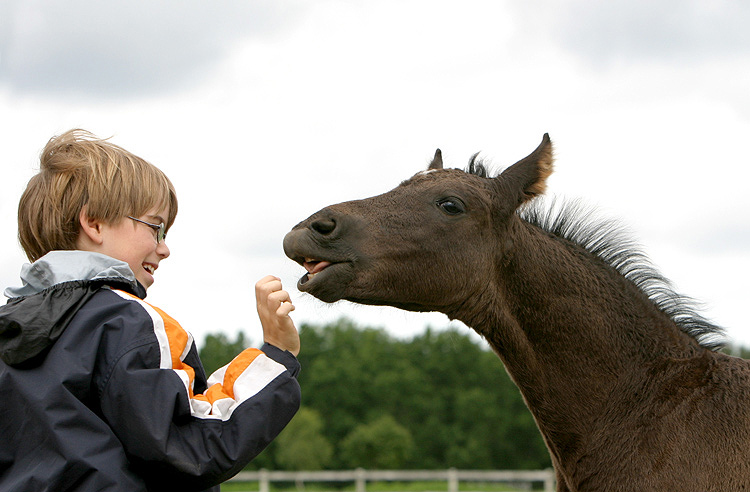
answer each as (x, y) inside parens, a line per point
(549, 482)
(452, 480)
(263, 481)
(360, 479)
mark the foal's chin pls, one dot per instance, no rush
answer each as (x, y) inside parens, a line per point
(330, 285)
(341, 282)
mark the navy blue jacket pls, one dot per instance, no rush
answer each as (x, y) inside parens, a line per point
(99, 391)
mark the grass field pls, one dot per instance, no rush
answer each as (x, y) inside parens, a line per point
(374, 487)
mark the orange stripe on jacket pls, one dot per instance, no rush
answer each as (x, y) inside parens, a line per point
(237, 367)
(177, 338)
(212, 394)
(179, 342)
(234, 370)
(178, 345)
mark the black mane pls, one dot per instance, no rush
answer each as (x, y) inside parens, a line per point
(477, 167)
(608, 240)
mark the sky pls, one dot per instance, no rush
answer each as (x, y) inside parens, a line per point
(263, 112)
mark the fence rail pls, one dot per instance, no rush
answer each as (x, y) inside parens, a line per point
(360, 477)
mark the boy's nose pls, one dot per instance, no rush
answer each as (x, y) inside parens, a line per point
(163, 250)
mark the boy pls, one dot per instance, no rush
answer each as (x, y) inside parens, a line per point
(100, 391)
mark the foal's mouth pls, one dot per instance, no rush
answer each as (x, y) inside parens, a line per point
(315, 270)
(314, 267)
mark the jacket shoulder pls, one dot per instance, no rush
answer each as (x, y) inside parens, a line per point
(174, 342)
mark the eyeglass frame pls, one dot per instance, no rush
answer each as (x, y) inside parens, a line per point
(160, 229)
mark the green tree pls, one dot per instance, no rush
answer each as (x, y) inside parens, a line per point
(737, 350)
(339, 362)
(302, 444)
(218, 351)
(381, 444)
(449, 391)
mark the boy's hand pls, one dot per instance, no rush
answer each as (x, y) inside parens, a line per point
(274, 306)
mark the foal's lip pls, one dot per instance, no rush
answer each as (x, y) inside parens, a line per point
(314, 266)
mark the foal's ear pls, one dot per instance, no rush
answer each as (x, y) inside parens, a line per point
(437, 161)
(528, 177)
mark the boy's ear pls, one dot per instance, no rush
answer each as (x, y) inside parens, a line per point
(91, 229)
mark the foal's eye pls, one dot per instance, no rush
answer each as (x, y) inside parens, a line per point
(451, 206)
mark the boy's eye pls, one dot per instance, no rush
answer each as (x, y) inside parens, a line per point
(161, 235)
(159, 229)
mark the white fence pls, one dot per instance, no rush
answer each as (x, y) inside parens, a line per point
(360, 477)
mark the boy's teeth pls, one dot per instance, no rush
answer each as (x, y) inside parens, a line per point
(149, 269)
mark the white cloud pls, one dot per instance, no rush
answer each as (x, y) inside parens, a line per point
(669, 32)
(124, 50)
(301, 105)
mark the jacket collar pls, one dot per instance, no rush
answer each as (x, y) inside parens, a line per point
(57, 267)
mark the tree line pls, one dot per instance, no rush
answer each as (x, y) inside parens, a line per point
(435, 401)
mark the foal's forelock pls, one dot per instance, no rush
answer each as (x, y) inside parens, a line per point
(477, 167)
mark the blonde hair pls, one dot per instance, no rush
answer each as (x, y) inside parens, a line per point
(78, 169)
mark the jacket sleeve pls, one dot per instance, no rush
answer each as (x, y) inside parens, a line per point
(181, 431)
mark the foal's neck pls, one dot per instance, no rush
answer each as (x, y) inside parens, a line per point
(572, 331)
(570, 305)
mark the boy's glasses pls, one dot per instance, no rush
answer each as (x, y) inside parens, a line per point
(161, 235)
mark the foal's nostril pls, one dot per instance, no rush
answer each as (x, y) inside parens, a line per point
(324, 226)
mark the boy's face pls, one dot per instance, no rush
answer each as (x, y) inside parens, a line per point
(135, 243)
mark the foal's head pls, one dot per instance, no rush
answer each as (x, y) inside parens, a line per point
(427, 245)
